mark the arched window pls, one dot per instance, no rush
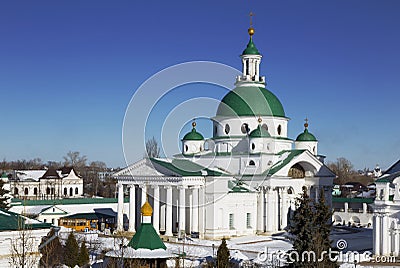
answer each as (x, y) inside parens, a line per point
(264, 126)
(15, 190)
(252, 163)
(26, 191)
(65, 191)
(245, 128)
(186, 148)
(35, 192)
(253, 146)
(52, 190)
(297, 171)
(71, 191)
(48, 190)
(76, 190)
(290, 190)
(279, 130)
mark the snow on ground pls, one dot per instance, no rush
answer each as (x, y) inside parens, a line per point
(249, 247)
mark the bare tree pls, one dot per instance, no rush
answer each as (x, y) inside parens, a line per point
(152, 148)
(75, 159)
(343, 168)
(23, 251)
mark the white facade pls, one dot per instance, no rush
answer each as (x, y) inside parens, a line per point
(386, 219)
(37, 184)
(247, 180)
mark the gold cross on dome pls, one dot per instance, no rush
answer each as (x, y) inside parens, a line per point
(251, 19)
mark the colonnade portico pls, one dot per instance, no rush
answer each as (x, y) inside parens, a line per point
(175, 203)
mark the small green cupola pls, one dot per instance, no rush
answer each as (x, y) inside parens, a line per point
(259, 140)
(260, 132)
(251, 59)
(306, 135)
(192, 142)
(307, 141)
(193, 135)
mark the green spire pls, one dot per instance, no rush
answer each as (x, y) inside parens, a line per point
(251, 48)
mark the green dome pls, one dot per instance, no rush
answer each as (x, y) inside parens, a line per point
(251, 49)
(259, 132)
(306, 136)
(193, 136)
(250, 101)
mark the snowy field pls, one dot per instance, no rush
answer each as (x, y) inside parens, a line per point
(258, 249)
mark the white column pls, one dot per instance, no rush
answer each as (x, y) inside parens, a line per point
(132, 204)
(168, 216)
(144, 194)
(182, 206)
(270, 212)
(385, 235)
(120, 211)
(284, 208)
(396, 242)
(346, 207)
(376, 235)
(156, 209)
(195, 210)
(365, 208)
(260, 210)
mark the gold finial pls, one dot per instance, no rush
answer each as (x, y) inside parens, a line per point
(146, 209)
(251, 29)
(194, 123)
(306, 123)
(259, 120)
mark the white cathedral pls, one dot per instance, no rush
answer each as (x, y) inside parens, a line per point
(244, 180)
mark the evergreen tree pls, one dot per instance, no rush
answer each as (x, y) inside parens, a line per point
(310, 228)
(301, 227)
(71, 251)
(4, 195)
(223, 255)
(323, 227)
(83, 257)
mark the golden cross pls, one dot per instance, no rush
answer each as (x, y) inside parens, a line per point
(251, 19)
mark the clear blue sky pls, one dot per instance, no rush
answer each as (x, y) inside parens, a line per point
(68, 69)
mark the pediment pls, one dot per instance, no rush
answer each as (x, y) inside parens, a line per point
(140, 168)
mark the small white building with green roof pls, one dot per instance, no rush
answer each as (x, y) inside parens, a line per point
(241, 181)
(145, 249)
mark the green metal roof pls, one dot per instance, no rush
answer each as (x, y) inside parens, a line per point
(280, 164)
(352, 200)
(4, 175)
(251, 48)
(260, 132)
(10, 221)
(183, 167)
(86, 216)
(250, 101)
(193, 135)
(146, 237)
(306, 136)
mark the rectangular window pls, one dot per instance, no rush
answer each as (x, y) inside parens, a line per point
(248, 220)
(231, 226)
